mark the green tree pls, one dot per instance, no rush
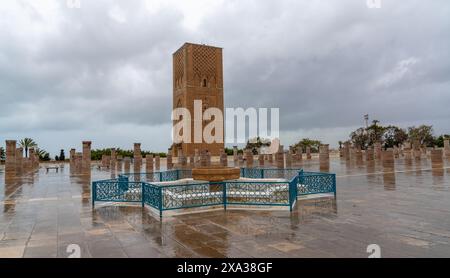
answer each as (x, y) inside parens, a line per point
(422, 134)
(394, 136)
(2, 153)
(62, 156)
(375, 133)
(27, 143)
(360, 138)
(306, 142)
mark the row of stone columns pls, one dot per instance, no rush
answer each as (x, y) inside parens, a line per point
(16, 164)
(408, 151)
(80, 162)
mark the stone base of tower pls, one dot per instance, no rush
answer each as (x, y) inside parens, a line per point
(214, 149)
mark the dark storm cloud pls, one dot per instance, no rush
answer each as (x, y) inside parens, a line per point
(323, 63)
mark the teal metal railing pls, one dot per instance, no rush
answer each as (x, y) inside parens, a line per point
(142, 188)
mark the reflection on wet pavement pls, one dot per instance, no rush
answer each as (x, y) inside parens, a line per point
(403, 207)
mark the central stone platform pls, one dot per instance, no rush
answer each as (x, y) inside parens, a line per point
(216, 174)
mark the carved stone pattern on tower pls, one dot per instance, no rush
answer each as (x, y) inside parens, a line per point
(179, 69)
(205, 64)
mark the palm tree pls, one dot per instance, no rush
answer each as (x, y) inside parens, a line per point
(42, 154)
(27, 143)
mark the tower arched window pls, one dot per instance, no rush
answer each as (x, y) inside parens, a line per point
(204, 83)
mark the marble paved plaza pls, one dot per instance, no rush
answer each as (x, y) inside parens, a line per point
(406, 211)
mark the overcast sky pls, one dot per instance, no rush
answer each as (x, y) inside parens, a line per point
(102, 72)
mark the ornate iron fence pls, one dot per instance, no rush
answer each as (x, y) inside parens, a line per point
(316, 183)
(116, 190)
(163, 176)
(203, 194)
(257, 193)
(192, 195)
(269, 173)
(151, 196)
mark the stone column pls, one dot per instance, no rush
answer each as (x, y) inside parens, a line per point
(424, 150)
(447, 148)
(300, 154)
(407, 151)
(288, 155)
(352, 152)
(10, 163)
(346, 152)
(108, 161)
(78, 162)
(223, 158)
(127, 165)
(203, 159)
(169, 159)
(157, 162)
(72, 157)
(113, 161)
(324, 157)
(86, 164)
(261, 159)
(119, 163)
(377, 150)
(137, 155)
(279, 157)
(208, 158)
(369, 154)
(437, 160)
(182, 159)
(37, 160)
(388, 159)
(249, 158)
(396, 152)
(149, 163)
(19, 161)
(241, 159)
(358, 154)
(196, 158)
(308, 153)
(416, 150)
(104, 160)
(32, 155)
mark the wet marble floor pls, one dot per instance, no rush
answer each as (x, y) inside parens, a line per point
(405, 210)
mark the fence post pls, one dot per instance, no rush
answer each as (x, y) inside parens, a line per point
(94, 190)
(300, 176)
(334, 185)
(290, 196)
(262, 173)
(224, 185)
(178, 174)
(142, 194)
(160, 203)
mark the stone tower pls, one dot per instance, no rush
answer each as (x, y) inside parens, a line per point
(198, 75)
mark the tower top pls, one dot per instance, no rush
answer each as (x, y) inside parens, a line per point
(196, 44)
